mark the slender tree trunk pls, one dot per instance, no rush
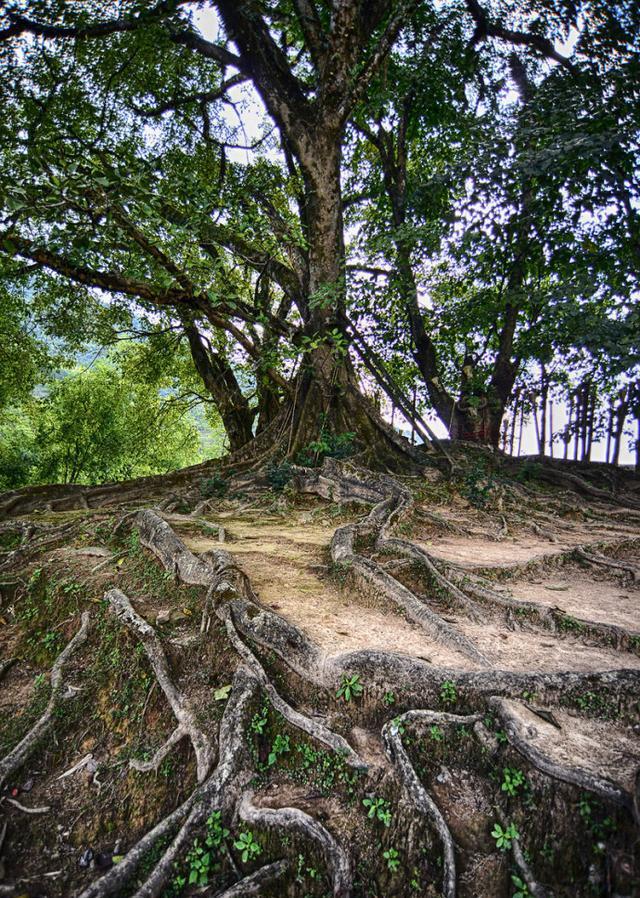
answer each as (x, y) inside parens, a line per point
(577, 424)
(591, 405)
(534, 408)
(219, 379)
(569, 425)
(521, 427)
(514, 417)
(609, 433)
(621, 414)
(544, 394)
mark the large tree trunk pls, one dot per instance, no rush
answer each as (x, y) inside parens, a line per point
(477, 422)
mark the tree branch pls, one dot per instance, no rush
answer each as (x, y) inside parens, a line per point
(485, 28)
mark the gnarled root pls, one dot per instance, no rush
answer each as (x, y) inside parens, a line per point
(597, 558)
(180, 706)
(420, 797)
(295, 718)
(18, 755)
(584, 779)
(391, 502)
(336, 858)
(255, 882)
(220, 790)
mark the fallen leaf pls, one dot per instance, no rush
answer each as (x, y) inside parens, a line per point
(222, 694)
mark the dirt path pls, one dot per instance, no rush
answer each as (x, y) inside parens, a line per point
(287, 563)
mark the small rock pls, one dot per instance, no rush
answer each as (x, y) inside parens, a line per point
(86, 857)
(104, 860)
(27, 786)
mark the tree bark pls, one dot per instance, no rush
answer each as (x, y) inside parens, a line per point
(219, 379)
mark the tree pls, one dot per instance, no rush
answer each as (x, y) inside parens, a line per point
(96, 425)
(488, 238)
(157, 216)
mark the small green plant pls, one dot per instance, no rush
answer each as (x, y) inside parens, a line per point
(504, 837)
(303, 871)
(378, 808)
(214, 486)
(280, 747)
(392, 858)
(216, 832)
(328, 445)
(448, 693)
(388, 699)
(478, 483)
(512, 780)
(247, 845)
(199, 864)
(522, 890)
(260, 720)
(397, 727)
(350, 687)
(436, 733)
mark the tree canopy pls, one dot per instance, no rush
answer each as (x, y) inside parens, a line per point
(305, 193)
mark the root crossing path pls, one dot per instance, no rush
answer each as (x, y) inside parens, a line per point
(342, 704)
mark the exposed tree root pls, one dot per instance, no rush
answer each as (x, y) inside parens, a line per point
(533, 886)
(579, 485)
(180, 706)
(29, 548)
(455, 595)
(5, 666)
(597, 558)
(529, 614)
(18, 755)
(517, 735)
(421, 798)
(255, 882)
(252, 629)
(335, 857)
(219, 790)
(391, 501)
(314, 729)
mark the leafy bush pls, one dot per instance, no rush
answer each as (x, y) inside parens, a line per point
(328, 445)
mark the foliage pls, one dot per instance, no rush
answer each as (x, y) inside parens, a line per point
(350, 687)
(392, 857)
(93, 426)
(378, 809)
(281, 746)
(215, 486)
(279, 475)
(328, 445)
(260, 720)
(513, 780)
(522, 890)
(247, 845)
(504, 837)
(448, 693)
(490, 201)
